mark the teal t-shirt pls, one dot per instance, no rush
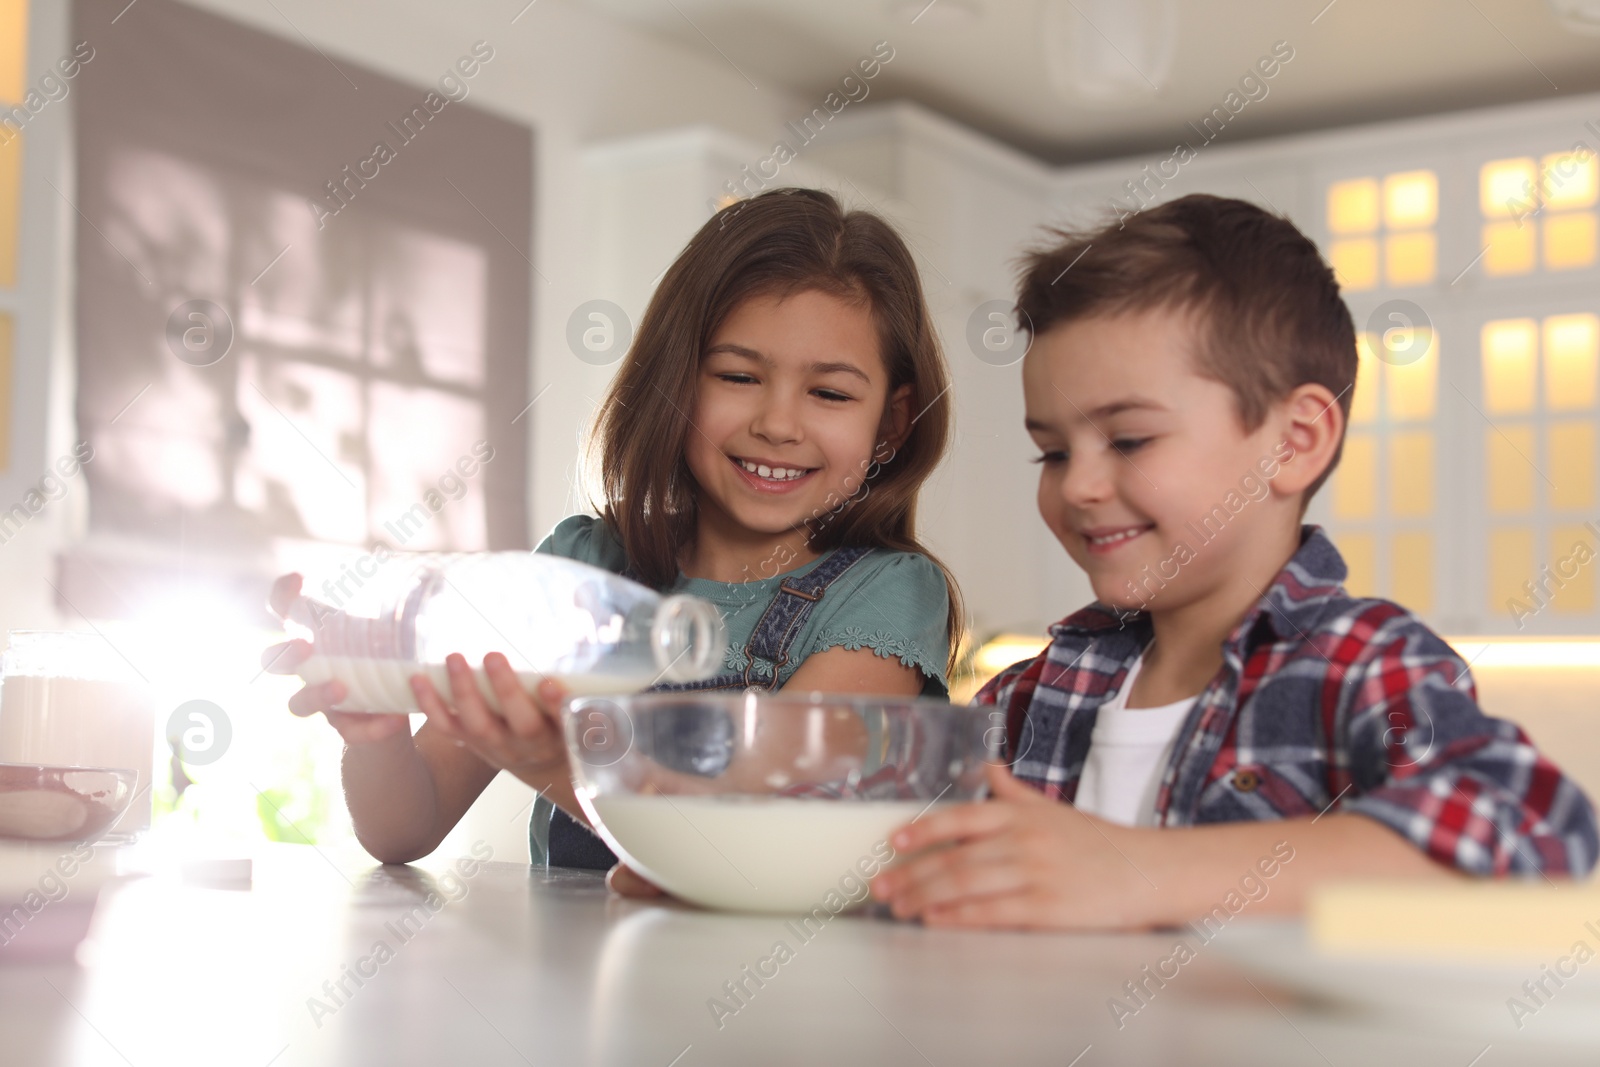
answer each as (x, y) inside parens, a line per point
(894, 603)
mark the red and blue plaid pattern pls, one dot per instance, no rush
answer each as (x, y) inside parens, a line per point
(1325, 702)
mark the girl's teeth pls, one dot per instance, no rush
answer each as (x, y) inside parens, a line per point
(1113, 538)
(777, 474)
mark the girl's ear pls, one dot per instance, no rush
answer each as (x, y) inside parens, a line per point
(896, 426)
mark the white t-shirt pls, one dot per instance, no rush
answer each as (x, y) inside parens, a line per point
(1128, 752)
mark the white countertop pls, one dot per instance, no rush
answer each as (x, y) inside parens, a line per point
(535, 967)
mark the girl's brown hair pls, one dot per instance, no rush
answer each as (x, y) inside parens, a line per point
(777, 244)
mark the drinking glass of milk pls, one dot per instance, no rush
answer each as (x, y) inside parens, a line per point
(594, 631)
(69, 699)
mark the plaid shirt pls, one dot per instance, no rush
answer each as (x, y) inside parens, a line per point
(1324, 702)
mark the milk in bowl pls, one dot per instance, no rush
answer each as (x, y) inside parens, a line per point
(767, 802)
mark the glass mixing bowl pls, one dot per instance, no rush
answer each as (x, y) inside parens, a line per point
(768, 802)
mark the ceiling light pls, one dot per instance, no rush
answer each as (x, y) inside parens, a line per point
(1109, 52)
(1579, 16)
(933, 12)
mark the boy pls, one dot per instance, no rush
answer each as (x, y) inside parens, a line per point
(1225, 714)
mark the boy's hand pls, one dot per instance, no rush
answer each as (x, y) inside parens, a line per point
(1019, 860)
(524, 737)
(355, 727)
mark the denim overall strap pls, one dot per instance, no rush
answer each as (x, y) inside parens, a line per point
(570, 843)
(786, 616)
(779, 626)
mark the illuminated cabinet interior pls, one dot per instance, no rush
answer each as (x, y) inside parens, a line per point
(1539, 443)
(1538, 213)
(1384, 498)
(1383, 230)
(13, 84)
(1471, 469)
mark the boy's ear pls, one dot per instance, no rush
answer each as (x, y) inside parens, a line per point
(1311, 427)
(896, 425)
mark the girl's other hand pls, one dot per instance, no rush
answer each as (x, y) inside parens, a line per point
(627, 882)
(524, 737)
(354, 726)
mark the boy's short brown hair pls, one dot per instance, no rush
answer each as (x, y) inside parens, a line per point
(1267, 309)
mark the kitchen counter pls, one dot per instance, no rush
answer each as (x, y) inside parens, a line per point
(329, 959)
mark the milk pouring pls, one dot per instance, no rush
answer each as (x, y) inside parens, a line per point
(594, 631)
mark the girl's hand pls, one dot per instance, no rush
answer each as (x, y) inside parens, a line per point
(1020, 860)
(627, 882)
(357, 728)
(524, 738)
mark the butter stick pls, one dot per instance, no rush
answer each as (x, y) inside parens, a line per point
(1483, 920)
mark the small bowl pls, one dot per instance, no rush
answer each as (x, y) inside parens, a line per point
(768, 802)
(39, 803)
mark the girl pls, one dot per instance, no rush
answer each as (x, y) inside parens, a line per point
(762, 447)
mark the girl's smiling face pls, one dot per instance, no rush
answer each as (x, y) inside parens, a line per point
(792, 399)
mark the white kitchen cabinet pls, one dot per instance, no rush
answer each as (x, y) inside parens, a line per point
(1468, 470)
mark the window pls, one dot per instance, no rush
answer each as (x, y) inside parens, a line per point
(1540, 379)
(13, 88)
(1539, 212)
(1383, 231)
(1471, 463)
(1384, 491)
(378, 312)
(269, 383)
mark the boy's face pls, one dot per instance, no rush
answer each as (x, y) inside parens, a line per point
(1140, 455)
